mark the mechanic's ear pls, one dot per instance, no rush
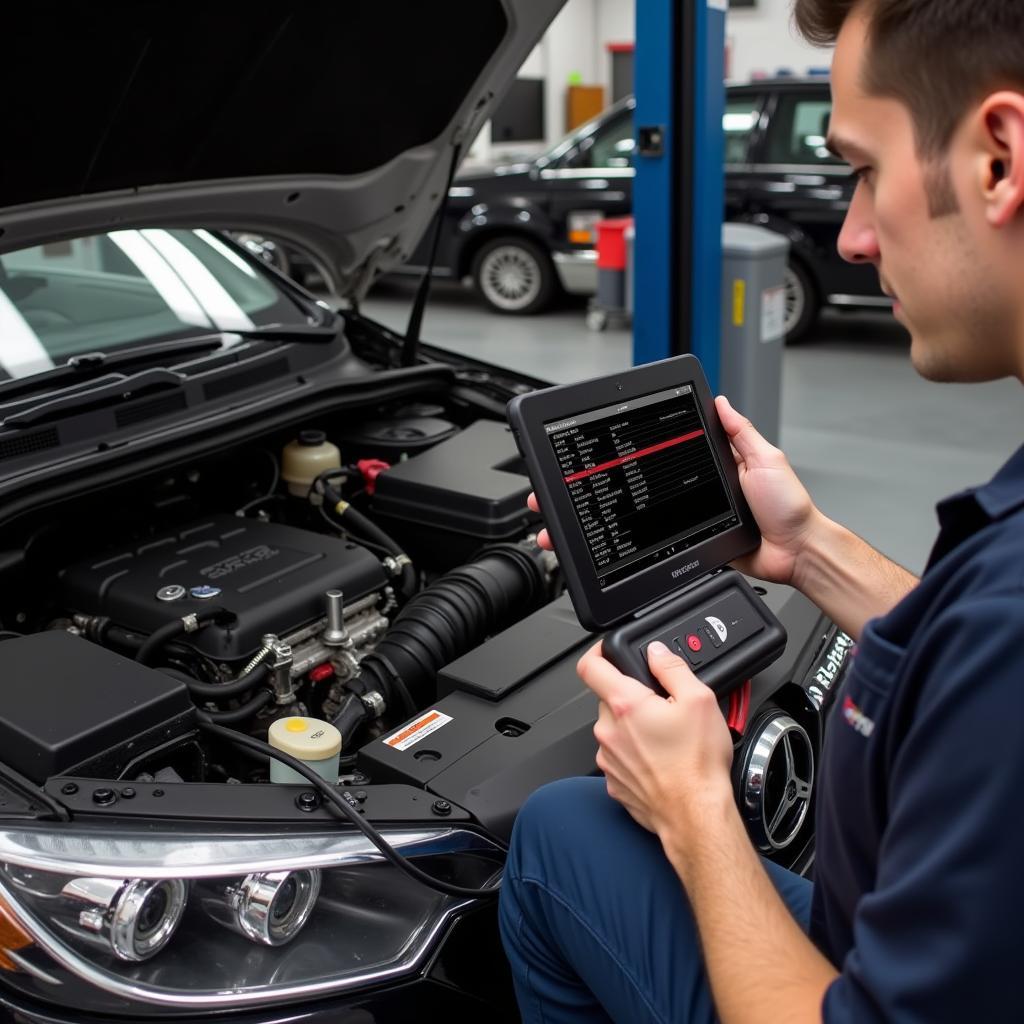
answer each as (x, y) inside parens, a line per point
(1001, 159)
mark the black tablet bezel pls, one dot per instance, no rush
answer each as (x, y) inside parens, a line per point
(599, 608)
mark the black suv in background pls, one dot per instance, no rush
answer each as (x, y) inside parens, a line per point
(520, 231)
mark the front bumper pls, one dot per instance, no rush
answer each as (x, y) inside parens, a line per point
(577, 271)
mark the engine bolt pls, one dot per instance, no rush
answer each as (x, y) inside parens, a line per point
(128, 793)
(69, 788)
(158, 792)
(307, 801)
(442, 808)
(103, 797)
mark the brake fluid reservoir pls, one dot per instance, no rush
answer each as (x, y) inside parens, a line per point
(304, 459)
(312, 741)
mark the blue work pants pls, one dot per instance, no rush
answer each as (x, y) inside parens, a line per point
(595, 920)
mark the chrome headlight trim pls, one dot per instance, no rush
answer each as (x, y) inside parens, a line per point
(337, 850)
(135, 854)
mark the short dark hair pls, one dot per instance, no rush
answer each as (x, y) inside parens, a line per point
(935, 56)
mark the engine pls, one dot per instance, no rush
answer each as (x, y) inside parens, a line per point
(296, 603)
(386, 581)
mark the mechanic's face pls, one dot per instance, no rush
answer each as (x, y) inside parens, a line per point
(957, 287)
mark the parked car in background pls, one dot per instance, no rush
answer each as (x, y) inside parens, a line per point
(518, 233)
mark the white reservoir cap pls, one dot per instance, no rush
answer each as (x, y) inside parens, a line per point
(308, 739)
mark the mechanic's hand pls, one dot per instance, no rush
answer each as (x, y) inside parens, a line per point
(780, 503)
(662, 758)
(543, 538)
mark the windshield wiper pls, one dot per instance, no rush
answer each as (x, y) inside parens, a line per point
(87, 364)
(90, 364)
(117, 389)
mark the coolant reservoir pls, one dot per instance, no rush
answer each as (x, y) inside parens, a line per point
(312, 741)
(304, 459)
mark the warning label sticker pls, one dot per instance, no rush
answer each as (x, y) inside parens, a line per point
(417, 729)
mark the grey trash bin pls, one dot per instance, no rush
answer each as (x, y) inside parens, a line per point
(753, 322)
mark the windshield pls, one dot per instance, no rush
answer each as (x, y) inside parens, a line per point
(105, 291)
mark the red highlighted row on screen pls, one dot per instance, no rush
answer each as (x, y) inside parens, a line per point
(633, 456)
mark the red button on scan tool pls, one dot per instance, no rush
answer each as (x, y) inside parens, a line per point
(693, 642)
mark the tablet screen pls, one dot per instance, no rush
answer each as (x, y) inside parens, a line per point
(643, 480)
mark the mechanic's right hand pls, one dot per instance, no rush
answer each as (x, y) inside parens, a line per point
(780, 503)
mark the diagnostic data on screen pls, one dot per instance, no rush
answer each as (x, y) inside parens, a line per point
(643, 480)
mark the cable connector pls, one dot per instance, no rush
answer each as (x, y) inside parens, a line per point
(394, 564)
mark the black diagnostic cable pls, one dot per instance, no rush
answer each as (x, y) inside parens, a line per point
(339, 803)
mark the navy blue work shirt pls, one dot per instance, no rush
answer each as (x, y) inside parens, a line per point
(919, 877)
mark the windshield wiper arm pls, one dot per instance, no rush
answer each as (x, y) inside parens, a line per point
(320, 333)
(86, 364)
(106, 394)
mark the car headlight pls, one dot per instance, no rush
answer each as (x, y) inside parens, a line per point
(91, 919)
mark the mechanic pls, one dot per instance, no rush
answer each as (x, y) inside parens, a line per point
(652, 905)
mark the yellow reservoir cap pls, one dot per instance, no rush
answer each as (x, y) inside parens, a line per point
(308, 739)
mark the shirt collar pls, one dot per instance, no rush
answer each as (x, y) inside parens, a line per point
(1004, 493)
(966, 513)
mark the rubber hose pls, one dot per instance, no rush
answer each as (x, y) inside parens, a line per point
(247, 710)
(451, 617)
(362, 526)
(218, 691)
(349, 718)
(156, 640)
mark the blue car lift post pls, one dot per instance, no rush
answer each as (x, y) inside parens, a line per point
(678, 191)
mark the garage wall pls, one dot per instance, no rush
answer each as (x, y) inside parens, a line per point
(762, 40)
(616, 23)
(569, 47)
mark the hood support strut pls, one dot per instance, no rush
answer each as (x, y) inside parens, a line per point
(412, 332)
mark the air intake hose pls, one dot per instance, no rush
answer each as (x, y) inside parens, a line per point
(449, 618)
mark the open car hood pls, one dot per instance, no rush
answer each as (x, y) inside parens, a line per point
(330, 126)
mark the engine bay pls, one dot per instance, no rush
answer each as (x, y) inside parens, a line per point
(379, 573)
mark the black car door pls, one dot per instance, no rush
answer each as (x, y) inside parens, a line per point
(592, 181)
(795, 185)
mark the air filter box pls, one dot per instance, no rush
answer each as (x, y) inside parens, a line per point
(68, 706)
(462, 493)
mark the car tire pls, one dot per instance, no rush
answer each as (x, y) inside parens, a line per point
(514, 275)
(803, 303)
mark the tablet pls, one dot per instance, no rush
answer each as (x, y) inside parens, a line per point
(637, 483)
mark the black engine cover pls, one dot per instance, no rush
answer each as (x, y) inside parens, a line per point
(271, 578)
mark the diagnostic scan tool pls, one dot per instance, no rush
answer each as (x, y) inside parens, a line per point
(640, 493)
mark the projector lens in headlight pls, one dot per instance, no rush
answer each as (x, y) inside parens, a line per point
(269, 907)
(135, 917)
(109, 921)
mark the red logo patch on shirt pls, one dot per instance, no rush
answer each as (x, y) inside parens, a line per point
(856, 718)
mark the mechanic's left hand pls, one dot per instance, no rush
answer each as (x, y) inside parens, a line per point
(663, 758)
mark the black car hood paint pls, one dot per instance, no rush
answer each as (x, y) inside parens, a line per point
(330, 125)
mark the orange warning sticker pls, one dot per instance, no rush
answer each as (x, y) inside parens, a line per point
(417, 729)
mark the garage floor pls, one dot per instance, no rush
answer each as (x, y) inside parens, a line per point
(875, 445)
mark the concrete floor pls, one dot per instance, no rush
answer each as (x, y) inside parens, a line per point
(875, 444)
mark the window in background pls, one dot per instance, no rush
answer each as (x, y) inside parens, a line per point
(738, 123)
(798, 131)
